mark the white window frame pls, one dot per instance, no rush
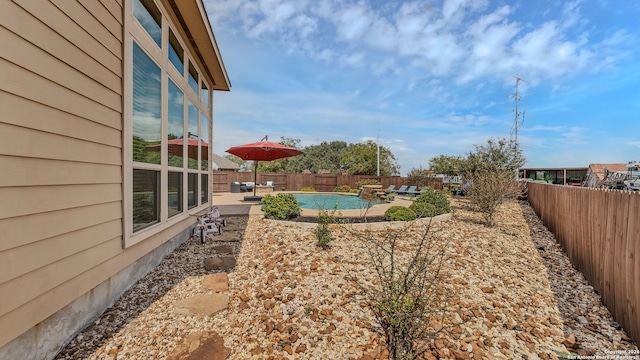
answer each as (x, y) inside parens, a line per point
(133, 31)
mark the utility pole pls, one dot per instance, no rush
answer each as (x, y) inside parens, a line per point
(378, 146)
(517, 123)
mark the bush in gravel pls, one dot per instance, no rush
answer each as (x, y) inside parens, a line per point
(399, 213)
(423, 209)
(438, 199)
(323, 233)
(410, 301)
(280, 207)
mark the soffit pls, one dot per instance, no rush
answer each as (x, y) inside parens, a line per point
(195, 23)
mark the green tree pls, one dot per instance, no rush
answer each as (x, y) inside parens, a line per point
(496, 156)
(282, 165)
(492, 169)
(362, 159)
(244, 164)
(418, 177)
(324, 156)
(447, 164)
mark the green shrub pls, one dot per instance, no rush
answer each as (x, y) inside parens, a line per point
(438, 199)
(423, 209)
(280, 207)
(399, 213)
(367, 182)
(343, 188)
(323, 233)
(308, 189)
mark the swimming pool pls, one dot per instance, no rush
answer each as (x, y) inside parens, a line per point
(316, 201)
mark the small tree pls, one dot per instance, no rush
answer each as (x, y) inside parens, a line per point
(490, 190)
(492, 172)
(447, 165)
(418, 177)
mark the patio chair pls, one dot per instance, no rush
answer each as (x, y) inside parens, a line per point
(415, 192)
(390, 189)
(410, 190)
(402, 189)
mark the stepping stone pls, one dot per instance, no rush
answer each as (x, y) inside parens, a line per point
(216, 282)
(207, 304)
(219, 263)
(232, 227)
(201, 345)
(222, 249)
(226, 236)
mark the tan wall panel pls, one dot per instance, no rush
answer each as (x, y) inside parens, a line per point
(19, 111)
(22, 230)
(18, 141)
(19, 261)
(20, 22)
(95, 19)
(60, 23)
(114, 8)
(17, 171)
(30, 200)
(24, 83)
(21, 319)
(29, 286)
(30, 57)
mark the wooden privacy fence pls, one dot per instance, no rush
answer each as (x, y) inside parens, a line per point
(221, 180)
(600, 232)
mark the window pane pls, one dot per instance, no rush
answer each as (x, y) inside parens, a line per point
(174, 196)
(176, 53)
(204, 188)
(146, 190)
(146, 115)
(192, 126)
(192, 180)
(204, 146)
(175, 134)
(149, 17)
(193, 77)
(204, 95)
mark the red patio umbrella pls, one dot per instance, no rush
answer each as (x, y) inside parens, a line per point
(263, 150)
(175, 148)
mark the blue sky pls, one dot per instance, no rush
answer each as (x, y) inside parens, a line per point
(433, 77)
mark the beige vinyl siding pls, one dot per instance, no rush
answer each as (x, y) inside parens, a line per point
(28, 114)
(61, 156)
(20, 231)
(22, 171)
(29, 314)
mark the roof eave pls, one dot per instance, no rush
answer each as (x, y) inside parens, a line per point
(193, 17)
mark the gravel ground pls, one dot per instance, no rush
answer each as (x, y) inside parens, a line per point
(517, 297)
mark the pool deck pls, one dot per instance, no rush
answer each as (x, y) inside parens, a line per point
(234, 204)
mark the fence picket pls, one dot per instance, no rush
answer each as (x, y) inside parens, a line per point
(600, 232)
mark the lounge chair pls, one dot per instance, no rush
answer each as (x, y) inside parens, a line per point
(390, 189)
(410, 190)
(415, 192)
(402, 189)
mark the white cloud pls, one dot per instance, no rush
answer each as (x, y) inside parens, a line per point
(352, 22)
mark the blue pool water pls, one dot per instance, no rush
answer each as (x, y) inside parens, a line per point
(317, 201)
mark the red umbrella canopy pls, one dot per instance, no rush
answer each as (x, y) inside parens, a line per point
(263, 151)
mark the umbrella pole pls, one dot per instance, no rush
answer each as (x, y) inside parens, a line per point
(255, 177)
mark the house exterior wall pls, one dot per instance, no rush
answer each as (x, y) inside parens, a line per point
(64, 255)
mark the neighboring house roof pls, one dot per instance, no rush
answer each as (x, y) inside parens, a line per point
(598, 169)
(221, 163)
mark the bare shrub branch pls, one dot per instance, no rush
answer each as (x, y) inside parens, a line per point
(410, 302)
